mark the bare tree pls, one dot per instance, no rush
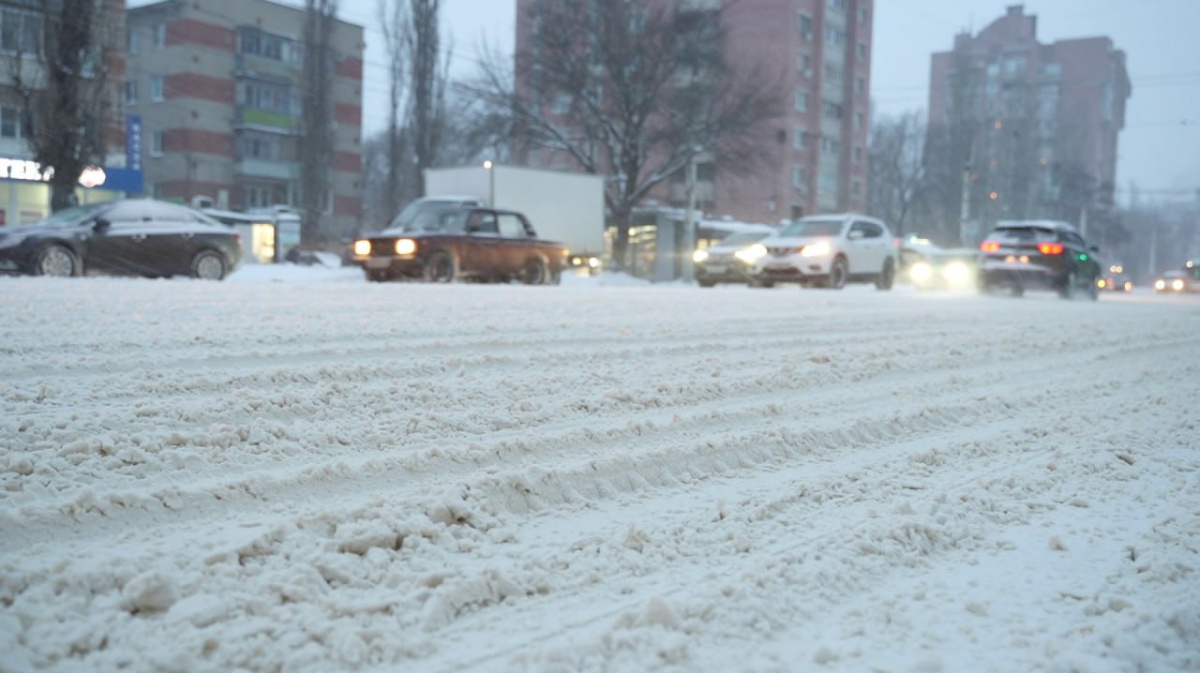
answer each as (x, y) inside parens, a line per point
(897, 168)
(316, 153)
(428, 78)
(631, 90)
(394, 23)
(64, 90)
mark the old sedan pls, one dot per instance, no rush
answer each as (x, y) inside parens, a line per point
(444, 245)
(138, 237)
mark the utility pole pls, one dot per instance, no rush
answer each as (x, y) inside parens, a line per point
(965, 213)
(1083, 215)
(687, 270)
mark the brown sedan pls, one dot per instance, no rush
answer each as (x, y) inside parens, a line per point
(444, 245)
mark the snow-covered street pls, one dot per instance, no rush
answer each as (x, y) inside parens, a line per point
(306, 472)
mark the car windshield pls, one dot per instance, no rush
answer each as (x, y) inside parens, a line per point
(1016, 235)
(409, 213)
(804, 228)
(437, 219)
(74, 214)
(743, 238)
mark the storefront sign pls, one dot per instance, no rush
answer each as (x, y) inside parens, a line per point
(133, 142)
(127, 180)
(23, 169)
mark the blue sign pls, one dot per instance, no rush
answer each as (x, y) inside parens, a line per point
(123, 180)
(133, 142)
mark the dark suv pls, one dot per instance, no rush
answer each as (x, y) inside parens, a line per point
(1038, 254)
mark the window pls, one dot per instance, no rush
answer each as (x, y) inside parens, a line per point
(157, 89)
(857, 155)
(868, 229)
(801, 100)
(831, 110)
(798, 177)
(156, 144)
(265, 96)
(253, 145)
(19, 31)
(157, 191)
(131, 92)
(160, 35)
(856, 187)
(830, 145)
(798, 138)
(803, 63)
(833, 75)
(859, 121)
(834, 36)
(838, 5)
(562, 104)
(860, 86)
(805, 25)
(131, 41)
(10, 122)
(862, 15)
(862, 51)
(256, 42)
(511, 226)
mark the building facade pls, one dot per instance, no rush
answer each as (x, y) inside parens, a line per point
(217, 87)
(1043, 119)
(24, 194)
(813, 159)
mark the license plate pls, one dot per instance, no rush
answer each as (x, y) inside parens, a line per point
(378, 263)
(716, 268)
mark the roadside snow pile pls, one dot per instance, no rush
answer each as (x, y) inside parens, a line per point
(298, 470)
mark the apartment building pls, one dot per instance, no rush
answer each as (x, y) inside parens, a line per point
(217, 87)
(1040, 108)
(814, 157)
(24, 194)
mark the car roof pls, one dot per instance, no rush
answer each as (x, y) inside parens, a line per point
(1053, 225)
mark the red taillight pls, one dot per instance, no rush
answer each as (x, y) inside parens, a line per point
(1050, 248)
(989, 246)
(237, 237)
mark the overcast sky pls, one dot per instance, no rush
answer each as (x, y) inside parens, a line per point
(1160, 146)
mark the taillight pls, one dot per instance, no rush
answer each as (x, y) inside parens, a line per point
(989, 246)
(237, 237)
(1050, 248)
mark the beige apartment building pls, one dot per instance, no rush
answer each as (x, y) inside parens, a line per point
(217, 88)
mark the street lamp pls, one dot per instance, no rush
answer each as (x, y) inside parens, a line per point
(487, 166)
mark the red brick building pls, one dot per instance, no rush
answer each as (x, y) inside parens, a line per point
(815, 160)
(217, 85)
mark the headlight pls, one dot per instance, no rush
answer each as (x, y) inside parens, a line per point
(593, 262)
(699, 256)
(1177, 285)
(362, 248)
(818, 249)
(1100, 283)
(406, 246)
(752, 253)
(920, 273)
(957, 273)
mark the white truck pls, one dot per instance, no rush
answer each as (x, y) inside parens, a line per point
(563, 207)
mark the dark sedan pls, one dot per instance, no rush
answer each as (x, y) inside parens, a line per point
(139, 237)
(447, 244)
(1038, 254)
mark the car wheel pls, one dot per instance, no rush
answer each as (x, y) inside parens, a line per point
(208, 265)
(1070, 286)
(887, 276)
(534, 272)
(441, 267)
(705, 283)
(555, 278)
(57, 261)
(838, 273)
(760, 283)
(1017, 290)
(1093, 291)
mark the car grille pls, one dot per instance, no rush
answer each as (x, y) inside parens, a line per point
(719, 258)
(382, 248)
(783, 251)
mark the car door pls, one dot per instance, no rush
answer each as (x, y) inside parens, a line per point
(481, 251)
(516, 243)
(117, 240)
(861, 247)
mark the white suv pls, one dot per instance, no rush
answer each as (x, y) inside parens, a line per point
(827, 251)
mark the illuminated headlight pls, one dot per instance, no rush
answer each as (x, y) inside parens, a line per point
(406, 246)
(920, 273)
(818, 249)
(362, 248)
(1128, 287)
(1160, 284)
(1100, 283)
(752, 253)
(957, 273)
(594, 262)
(1177, 285)
(699, 256)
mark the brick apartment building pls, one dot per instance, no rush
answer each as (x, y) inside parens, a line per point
(816, 160)
(24, 194)
(1038, 107)
(217, 87)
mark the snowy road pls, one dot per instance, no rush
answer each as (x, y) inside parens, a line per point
(320, 474)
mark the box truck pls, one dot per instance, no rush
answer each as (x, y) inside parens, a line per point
(563, 207)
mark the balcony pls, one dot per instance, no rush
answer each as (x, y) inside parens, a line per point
(265, 120)
(266, 168)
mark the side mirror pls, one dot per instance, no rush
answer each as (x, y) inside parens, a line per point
(1094, 248)
(854, 235)
(101, 225)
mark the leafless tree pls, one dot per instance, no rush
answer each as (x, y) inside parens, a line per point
(316, 153)
(66, 102)
(631, 90)
(897, 168)
(429, 74)
(394, 23)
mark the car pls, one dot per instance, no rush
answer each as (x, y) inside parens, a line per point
(139, 237)
(448, 243)
(725, 261)
(1179, 281)
(827, 251)
(944, 269)
(1038, 254)
(1116, 280)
